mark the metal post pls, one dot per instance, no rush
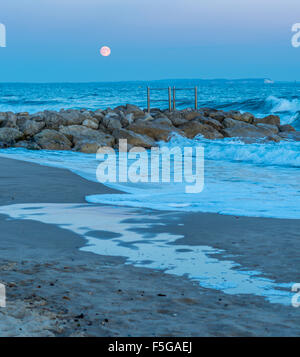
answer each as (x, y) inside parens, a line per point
(174, 98)
(148, 99)
(170, 99)
(196, 98)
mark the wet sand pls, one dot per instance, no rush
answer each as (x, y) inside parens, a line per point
(54, 289)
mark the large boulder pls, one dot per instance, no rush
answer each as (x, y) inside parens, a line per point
(98, 115)
(188, 115)
(270, 119)
(40, 116)
(81, 134)
(91, 123)
(126, 119)
(210, 121)
(154, 130)
(214, 114)
(247, 117)
(176, 118)
(236, 115)
(236, 128)
(52, 140)
(30, 127)
(194, 128)
(73, 117)
(10, 135)
(133, 138)
(8, 120)
(163, 121)
(53, 120)
(112, 121)
(137, 112)
(272, 128)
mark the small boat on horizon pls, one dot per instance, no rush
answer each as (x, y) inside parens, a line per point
(268, 81)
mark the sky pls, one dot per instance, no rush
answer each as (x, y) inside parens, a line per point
(59, 40)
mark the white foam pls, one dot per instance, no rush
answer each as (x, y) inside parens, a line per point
(258, 180)
(284, 105)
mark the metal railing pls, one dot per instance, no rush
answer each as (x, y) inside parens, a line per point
(169, 89)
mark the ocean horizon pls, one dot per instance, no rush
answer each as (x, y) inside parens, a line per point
(253, 95)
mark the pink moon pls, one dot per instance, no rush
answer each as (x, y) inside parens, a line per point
(105, 51)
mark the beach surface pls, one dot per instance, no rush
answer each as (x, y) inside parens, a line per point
(55, 289)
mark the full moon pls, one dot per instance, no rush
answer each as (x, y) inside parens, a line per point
(105, 51)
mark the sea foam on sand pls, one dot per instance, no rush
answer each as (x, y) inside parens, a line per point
(115, 231)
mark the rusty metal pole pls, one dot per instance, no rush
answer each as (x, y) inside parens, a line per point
(196, 98)
(148, 99)
(170, 99)
(174, 98)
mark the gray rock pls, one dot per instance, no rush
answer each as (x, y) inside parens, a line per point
(52, 140)
(194, 128)
(98, 115)
(176, 118)
(209, 121)
(235, 128)
(81, 134)
(73, 117)
(272, 128)
(270, 119)
(10, 135)
(8, 120)
(134, 139)
(191, 115)
(164, 121)
(234, 114)
(53, 120)
(155, 131)
(30, 127)
(126, 119)
(231, 123)
(217, 115)
(91, 123)
(112, 121)
(247, 117)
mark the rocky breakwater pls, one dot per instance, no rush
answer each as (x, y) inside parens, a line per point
(86, 131)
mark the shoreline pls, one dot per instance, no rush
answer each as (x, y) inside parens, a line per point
(60, 290)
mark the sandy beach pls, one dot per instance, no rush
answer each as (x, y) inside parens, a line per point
(55, 289)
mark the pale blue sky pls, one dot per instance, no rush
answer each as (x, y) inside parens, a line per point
(59, 40)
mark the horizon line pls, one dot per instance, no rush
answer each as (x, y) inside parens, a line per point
(150, 80)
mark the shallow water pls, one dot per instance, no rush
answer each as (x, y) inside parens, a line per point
(155, 251)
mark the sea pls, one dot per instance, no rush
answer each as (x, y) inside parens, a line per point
(255, 180)
(258, 179)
